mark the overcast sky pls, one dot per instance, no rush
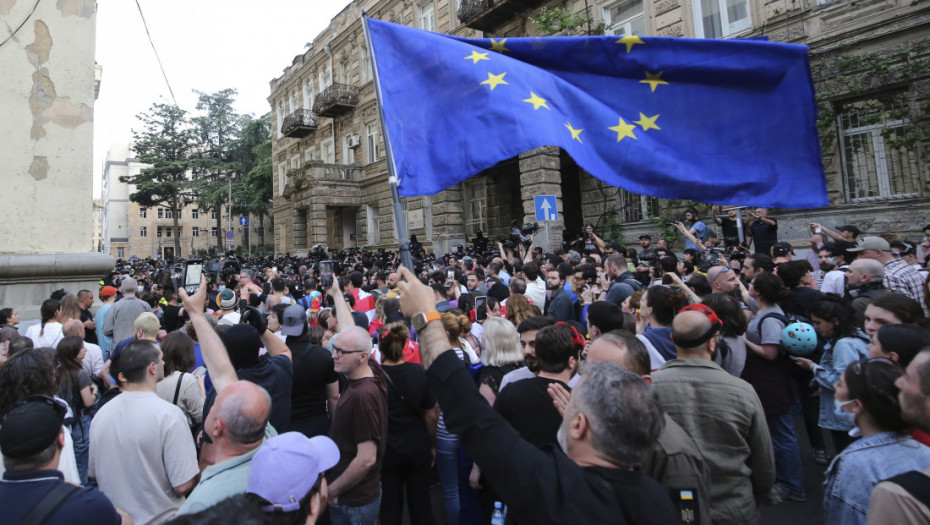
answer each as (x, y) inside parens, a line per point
(206, 45)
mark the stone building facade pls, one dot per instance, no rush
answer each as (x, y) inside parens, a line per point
(871, 67)
(49, 85)
(131, 230)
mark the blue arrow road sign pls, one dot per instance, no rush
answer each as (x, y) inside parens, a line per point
(243, 221)
(546, 209)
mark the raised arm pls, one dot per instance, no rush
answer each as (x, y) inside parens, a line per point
(343, 313)
(214, 353)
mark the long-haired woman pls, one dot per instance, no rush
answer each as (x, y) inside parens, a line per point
(844, 344)
(76, 387)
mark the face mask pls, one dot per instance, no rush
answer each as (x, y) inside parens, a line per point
(845, 416)
(222, 287)
(140, 288)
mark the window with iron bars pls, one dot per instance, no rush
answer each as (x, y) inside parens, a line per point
(878, 149)
(635, 207)
(476, 206)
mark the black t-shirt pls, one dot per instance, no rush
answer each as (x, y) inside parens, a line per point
(764, 235)
(21, 491)
(527, 406)
(729, 228)
(313, 372)
(276, 376)
(90, 336)
(170, 320)
(493, 375)
(408, 397)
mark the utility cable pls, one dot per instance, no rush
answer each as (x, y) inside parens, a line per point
(20, 26)
(149, 35)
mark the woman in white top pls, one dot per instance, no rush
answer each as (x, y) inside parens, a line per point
(48, 333)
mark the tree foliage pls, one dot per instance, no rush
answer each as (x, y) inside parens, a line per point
(215, 161)
(202, 159)
(165, 143)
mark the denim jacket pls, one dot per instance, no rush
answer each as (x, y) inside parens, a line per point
(836, 358)
(865, 462)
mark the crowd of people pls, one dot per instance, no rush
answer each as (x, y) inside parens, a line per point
(591, 384)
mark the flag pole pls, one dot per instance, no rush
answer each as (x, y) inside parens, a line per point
(400, 221)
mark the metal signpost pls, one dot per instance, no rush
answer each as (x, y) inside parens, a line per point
(244, 222)
(546, 211)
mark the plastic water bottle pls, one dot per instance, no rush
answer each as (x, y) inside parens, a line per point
(498, 515)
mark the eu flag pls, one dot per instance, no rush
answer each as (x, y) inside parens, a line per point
(716, 121)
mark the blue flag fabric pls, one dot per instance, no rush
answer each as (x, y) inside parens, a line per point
(716, 121)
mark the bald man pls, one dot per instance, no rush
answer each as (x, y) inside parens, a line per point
(675, 460)
(359, 428)
(238, 425)
(722, 279)
(723, 415)
(865, 281)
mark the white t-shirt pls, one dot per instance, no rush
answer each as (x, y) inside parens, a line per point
(140, 448)
(49, 337)
(93, 359)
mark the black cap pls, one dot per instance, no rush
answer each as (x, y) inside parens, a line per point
(645, 236)
(242, 344)
(780, 249)
(31, 427)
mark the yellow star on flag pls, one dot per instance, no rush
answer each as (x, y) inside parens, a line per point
(536, 101)
(493, 80)
(498, 45)
(653, 80)
(630, 41)
(647, 122)
(623, 130)
(476, 56)
(575, 132)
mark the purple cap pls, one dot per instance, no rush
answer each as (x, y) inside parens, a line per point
(287, 466)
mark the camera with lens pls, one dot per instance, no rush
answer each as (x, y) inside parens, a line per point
(520, 234)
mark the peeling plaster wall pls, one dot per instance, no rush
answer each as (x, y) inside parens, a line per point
(46, 136)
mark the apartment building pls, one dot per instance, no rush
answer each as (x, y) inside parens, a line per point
(870, 65)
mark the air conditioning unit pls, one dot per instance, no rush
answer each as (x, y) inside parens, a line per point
(355, 141)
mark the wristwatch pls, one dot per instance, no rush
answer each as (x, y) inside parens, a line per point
(422, 319)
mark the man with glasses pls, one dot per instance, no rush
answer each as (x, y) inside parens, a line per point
(359, 428)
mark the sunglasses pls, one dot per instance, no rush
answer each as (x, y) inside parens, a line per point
(722, 271)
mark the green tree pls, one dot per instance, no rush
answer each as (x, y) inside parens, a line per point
(165, 143)
(254, 191)
(216, 159)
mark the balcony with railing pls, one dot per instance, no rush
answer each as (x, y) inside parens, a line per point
(336, 100)
(299, 124)
(318, 179)
(488, 15)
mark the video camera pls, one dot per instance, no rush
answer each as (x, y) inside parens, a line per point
(521, 234)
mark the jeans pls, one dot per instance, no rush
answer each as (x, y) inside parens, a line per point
(364, 515)
(789, 474)
(447, 464)
(80, 434)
